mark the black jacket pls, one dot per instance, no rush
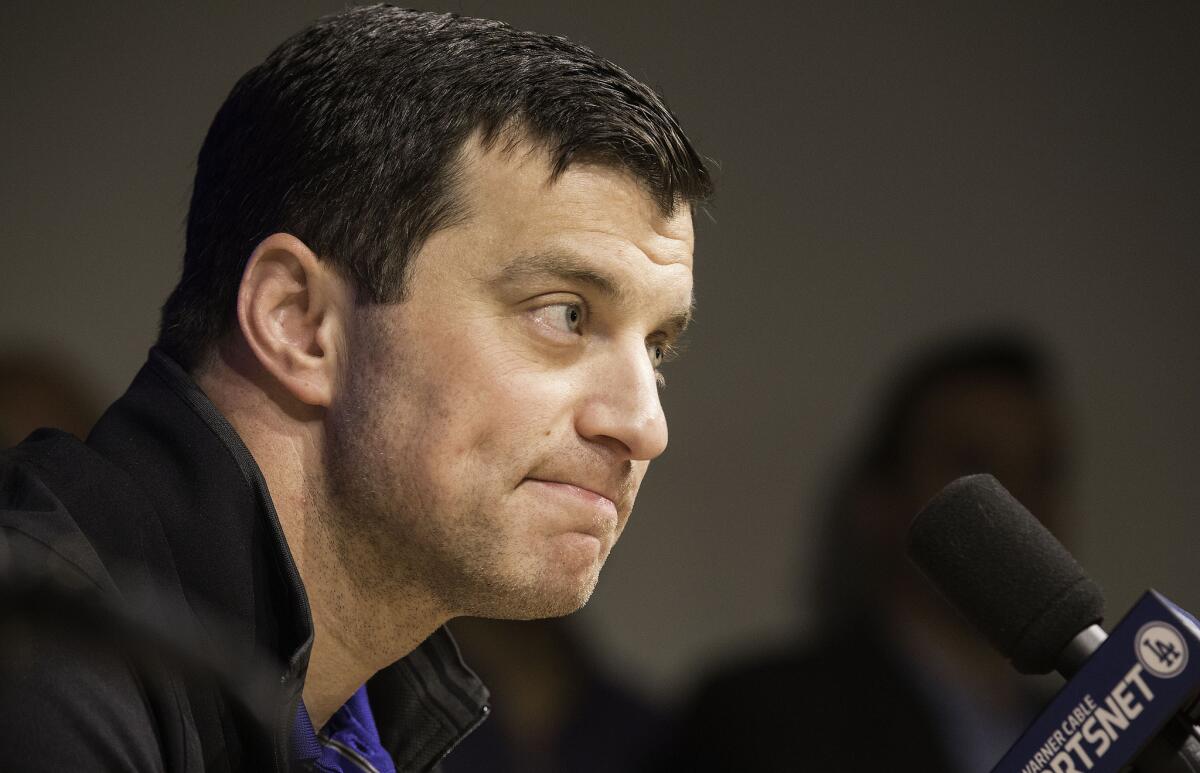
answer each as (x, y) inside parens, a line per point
(151, 617)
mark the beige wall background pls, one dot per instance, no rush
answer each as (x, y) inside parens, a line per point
(888, 173)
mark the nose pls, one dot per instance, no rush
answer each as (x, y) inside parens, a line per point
(621, 407)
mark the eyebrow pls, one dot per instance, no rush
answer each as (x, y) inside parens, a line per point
(572, 268)
(561, 265)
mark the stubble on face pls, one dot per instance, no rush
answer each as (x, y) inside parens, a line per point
(465, 436)
(403, 537)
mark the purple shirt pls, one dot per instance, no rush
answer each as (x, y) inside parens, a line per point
(348, 743)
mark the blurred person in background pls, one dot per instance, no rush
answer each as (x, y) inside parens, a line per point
(410, 372)
(39, 387)
(897, 681)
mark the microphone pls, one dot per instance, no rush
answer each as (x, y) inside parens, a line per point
(1130, 697)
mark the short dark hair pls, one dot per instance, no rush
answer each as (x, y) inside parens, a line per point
(347, 134)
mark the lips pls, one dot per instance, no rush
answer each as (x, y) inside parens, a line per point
(583, 491)
(607, 486)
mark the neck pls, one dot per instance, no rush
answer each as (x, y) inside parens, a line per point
(355, 632)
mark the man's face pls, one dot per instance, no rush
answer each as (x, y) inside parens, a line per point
(491, 430)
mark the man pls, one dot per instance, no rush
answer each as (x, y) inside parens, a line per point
(897, 681)
(409, 373)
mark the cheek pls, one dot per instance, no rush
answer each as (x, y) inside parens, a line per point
(488, 420)
(488, 410)
(503, 394)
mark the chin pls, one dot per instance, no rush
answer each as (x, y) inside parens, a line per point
(554, 580)
(561, 593)
(574, 598)
(558, 605)
(551, 593)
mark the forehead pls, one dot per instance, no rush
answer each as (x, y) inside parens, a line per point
(512, 199)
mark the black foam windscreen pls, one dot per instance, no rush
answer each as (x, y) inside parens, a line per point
(1004, 572)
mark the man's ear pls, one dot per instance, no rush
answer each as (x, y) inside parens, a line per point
(290, 309)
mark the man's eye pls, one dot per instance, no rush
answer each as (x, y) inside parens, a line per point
(660, 352)
(566, 317)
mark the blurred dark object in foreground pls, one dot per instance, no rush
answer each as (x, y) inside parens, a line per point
(51, 622)
(897, 681)
(553, 709)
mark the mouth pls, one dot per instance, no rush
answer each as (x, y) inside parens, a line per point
(603, 506)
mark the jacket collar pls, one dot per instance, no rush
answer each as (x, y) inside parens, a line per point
(237, 572)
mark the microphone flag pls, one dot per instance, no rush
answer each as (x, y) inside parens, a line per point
(1139, 679)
